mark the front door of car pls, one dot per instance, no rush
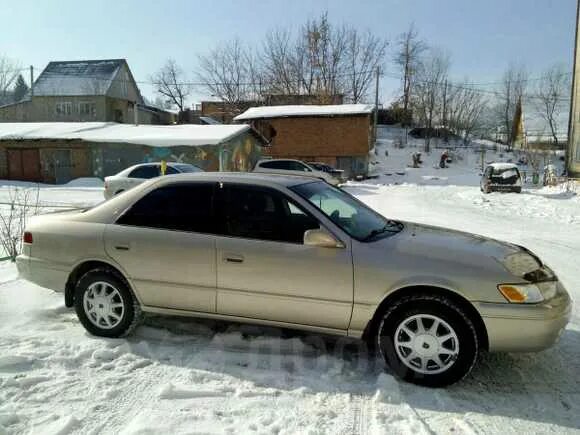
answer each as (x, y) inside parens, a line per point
(165, 245)
(264, 270)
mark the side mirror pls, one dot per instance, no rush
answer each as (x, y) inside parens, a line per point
(321, 239)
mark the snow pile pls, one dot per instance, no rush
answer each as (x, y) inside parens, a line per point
(304, 110)
(152, 135)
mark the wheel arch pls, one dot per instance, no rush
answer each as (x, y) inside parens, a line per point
(470, 310)
(83, 267)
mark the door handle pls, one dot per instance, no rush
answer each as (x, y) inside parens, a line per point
(122, 248)
(233, 258)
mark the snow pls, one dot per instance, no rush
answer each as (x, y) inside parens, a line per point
(180, 375)
(304, 110)
(75, 78)
(503, 166)
(152, 135)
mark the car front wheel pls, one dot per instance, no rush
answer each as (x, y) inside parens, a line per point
(105, 305)
(428, 340)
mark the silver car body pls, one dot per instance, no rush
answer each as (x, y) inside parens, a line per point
(335, 289)
(302, 169)
(123, 181)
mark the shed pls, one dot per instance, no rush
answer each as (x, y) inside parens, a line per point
(339, 135)
(58, 152)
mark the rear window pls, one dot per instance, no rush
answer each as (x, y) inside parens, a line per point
(506, 173)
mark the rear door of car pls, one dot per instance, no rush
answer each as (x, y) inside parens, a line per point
(264, 269)
(165, 243)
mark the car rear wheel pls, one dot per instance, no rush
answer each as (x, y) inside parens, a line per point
(105, 305)
(428, 340)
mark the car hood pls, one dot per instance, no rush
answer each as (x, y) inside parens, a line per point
(451, 250)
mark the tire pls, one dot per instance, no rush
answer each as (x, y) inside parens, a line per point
(458, 353)
(518, 190)
(105, 304)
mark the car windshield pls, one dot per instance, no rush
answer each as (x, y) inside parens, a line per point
(182, 167)
(347, 212)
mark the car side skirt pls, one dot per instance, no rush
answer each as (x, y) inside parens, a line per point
(185, 313)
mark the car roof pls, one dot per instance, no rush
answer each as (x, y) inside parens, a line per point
(242, 177)
(500, 165)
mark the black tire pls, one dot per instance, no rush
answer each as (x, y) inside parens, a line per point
(518, 190)
(128, 315)
(444, 309)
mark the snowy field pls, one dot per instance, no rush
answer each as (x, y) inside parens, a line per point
(178, 375)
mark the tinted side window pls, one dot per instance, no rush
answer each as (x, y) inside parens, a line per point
(170, 170)
(275, 165)
(297, 166)
(264, 214)
(183, 207)
(148, 171)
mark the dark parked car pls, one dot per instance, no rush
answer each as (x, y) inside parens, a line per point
(501, 177)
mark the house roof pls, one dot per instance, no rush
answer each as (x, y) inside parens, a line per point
(78, 77)
(304, 110)
(151, 135)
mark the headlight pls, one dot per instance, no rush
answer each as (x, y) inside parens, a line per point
(521, 293)
(520, 263)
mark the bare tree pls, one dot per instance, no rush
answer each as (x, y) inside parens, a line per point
(466, 110)
(231, 73)
(550, 97)
(512, 89)
(9, 72)
(21, 204)
(322, 60)
(170, 83)
(410, 49)
(364, 54)
(429, 85)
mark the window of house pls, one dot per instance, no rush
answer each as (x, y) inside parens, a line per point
(179, 207)
(64, 108)
(264, 214)
(87, 109)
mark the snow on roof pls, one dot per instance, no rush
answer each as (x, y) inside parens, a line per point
(304, 110)
(151, 135)
(70, 78)
(502, 166)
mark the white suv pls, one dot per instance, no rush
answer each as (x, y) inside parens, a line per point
(137, 174)
(293, 167)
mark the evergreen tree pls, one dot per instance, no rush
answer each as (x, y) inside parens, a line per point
(20, 88)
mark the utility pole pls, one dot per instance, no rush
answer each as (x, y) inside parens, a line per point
(376, 106)
(31, 81)
(445, 136)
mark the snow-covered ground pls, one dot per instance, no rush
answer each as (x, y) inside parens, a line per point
(180, 375)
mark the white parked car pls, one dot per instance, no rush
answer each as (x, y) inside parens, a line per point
(137, 174)
(293, 167)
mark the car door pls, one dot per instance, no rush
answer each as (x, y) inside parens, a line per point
(264, 270)
(166, 246)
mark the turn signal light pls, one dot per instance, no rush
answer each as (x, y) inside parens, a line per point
(521, 293)
(27, 238)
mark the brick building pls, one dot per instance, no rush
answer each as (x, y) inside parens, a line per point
(339, 135)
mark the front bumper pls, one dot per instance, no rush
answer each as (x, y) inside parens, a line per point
(526, 328)
(40, 273)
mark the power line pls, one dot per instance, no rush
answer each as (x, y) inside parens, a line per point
(470, 86)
